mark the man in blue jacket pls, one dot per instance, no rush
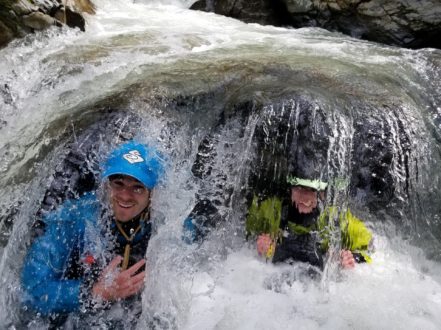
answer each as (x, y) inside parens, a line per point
(92, 250)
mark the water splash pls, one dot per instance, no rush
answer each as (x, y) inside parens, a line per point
(182, 72)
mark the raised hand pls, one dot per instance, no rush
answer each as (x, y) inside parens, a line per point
(114, 284)
(347, 259)
(265, 245)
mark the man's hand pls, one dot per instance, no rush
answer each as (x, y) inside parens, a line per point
(265, 245)
(347, 260)
(114, 284)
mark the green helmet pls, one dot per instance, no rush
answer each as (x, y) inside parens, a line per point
(315, 184)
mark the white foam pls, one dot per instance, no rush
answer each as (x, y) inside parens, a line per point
(390, 293)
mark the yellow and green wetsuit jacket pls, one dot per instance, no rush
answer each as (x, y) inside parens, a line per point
(306, 237)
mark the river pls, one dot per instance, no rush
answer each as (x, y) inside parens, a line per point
(171, 77)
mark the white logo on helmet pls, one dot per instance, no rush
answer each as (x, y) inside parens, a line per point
(133, 157)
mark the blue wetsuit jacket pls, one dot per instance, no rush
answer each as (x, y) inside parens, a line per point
(57, 268)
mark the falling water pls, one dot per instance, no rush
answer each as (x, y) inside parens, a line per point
(177, 79)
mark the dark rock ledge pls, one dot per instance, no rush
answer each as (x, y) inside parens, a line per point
(405, 23)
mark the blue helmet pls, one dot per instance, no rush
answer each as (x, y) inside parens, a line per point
(136, 160)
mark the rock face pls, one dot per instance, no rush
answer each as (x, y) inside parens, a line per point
(19, 17)
(406, 23)
(6, 34)
(70, 18)
(267, 12)
(38, 21)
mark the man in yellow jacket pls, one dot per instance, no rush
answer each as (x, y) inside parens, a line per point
(295, 229)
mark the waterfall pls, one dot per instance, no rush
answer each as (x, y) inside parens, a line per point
(198, 85)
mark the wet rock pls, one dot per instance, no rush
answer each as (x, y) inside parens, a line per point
(203, 6)
(19, 17)
(334, 6)
(46, 5)
(6, 34)
(303, 6)
(70, 18)
(38, 21)
(84, 6)
(407, 23)
(266, 12)
(23, 7)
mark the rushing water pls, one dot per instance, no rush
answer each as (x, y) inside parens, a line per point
(185, 75)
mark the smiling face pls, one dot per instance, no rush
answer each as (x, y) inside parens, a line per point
(304, 199)
(128, 197)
